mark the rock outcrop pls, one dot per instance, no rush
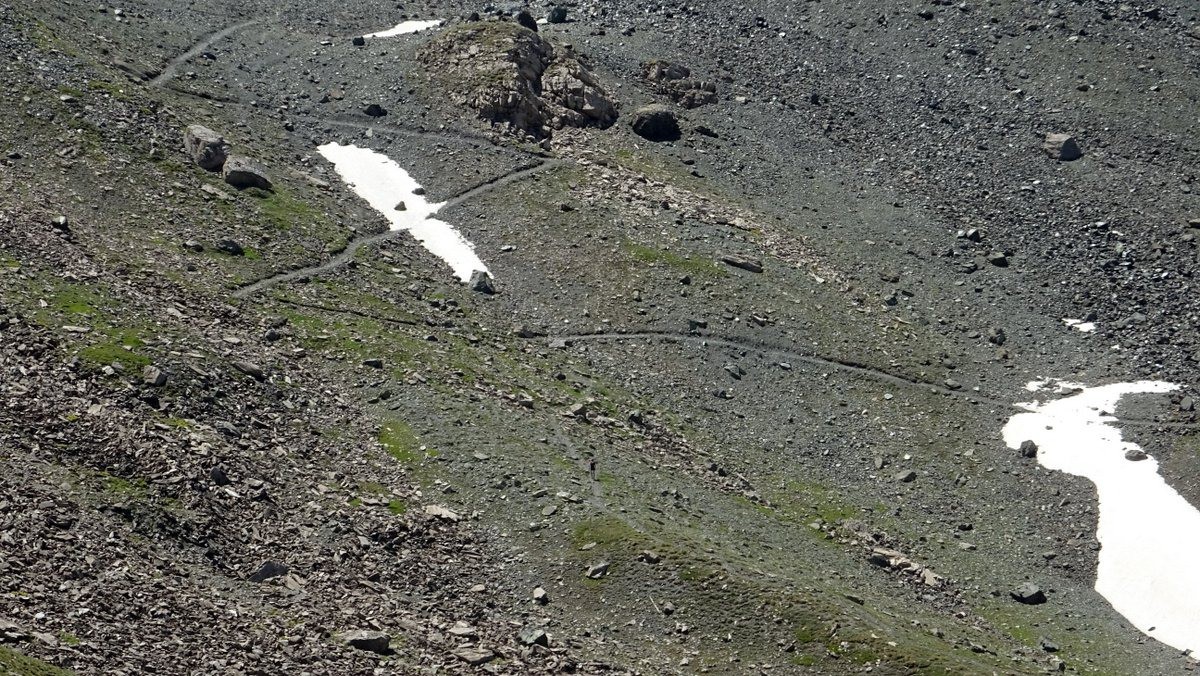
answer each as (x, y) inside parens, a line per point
(511, 75)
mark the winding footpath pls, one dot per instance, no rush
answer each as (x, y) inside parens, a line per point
(206, 42)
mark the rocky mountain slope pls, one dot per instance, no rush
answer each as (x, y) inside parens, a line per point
(765, 282)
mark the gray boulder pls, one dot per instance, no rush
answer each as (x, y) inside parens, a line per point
(482, 282)
(206, 147)
(1062, 147)
(243, 172)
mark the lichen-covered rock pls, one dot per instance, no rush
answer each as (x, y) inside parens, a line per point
(509, 74)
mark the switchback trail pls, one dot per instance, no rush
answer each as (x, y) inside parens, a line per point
(766, 349)
(169, 72)
(343, 256)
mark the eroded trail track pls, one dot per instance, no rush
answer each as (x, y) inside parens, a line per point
(173, 66)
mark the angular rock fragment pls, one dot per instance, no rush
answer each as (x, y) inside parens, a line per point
(1062, 147)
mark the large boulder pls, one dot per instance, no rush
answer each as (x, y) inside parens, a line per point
(656, 123)
(243, 172)
(206, 147)
(511, 75)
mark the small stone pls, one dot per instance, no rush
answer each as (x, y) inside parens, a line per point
(358, 41)
(243, 172)
(370, 641)
(154, 376)
(401, 206)
(1028, 449)
(557, 14)
(907, 476)
(649, 556)
(952, 384)
(251, 369)
(597, 571)
(481, 281)
(540, 596)
(1000, 260)
(474, 656)
(1062, 147)
(61, 224)
(996, 336)
(668, 608)
(375, 110)
(194, 246)
(1029, 594)
(1048, 645)
(267, 570)
(374, 363)
(1135, 454)
(443, 513)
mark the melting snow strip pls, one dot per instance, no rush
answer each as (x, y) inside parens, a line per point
(405, 27)
(1146, 529)
(388, 188)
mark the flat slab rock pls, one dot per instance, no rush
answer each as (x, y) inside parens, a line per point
(243, 172)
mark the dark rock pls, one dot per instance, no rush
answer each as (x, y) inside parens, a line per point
(557, 14)
(996, 336)
(1135, 454)
(61, 224)
(370, 641)
(243, 172)
(219, 477)
(743, 262)
(1062, 147)
(998, 259)
(907, 476)
(526, 20)
(1028, 449)
(540, 596)
(1029, 594)
(482, 282)
(206, 147)
(374, 363)
(228, 246)
(1048, 645)
(267, 570)
(375, 110)
(358, 41)
(656, 123)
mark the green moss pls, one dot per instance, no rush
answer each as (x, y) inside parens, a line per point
(127, 489)
(397, 507)
(605, 532)
(119, 347)
(285, 211)
(67, 638)
(398, 440)
(700, 267)
(13, 663)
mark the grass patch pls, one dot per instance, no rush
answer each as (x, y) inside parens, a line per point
(398, 440)
(13, 663)
(283, 210)
(605, 532)
(128, 489)
(397, 507)
(701, 267)
(119, 348)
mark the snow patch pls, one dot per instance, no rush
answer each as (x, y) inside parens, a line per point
(384, 185)
(405, 27)
(1147, 530)
(1080, 325)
